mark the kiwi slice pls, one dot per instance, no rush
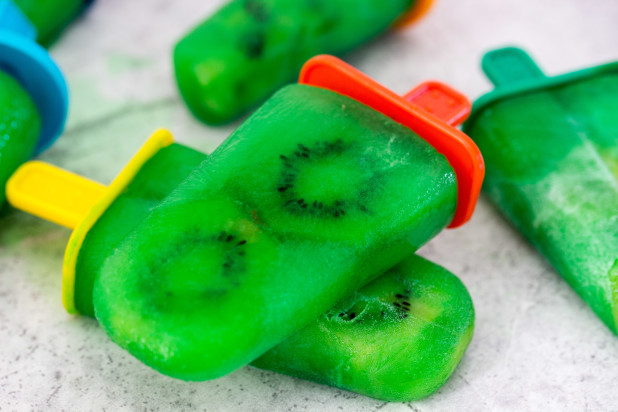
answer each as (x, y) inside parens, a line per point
(328, 167)
(327, 182)
(397, 339)
(182, 279)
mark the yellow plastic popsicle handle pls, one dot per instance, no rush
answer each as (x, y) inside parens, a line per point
(160, 139)
(73, 201)
(52, 193)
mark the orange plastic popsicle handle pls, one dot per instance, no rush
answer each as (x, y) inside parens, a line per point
(442, 101)
(418, 11)
(430, 110)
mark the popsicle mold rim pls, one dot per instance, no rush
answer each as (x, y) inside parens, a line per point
(33, 68)
(461, 152)
(522, 86)
(13, 20)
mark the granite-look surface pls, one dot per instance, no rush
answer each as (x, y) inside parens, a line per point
(536, 346)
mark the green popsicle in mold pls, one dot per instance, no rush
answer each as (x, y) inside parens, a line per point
(212, 278)
(397, 339)
(250, 48)
(20, 127)
(550, 146)
(33, 94)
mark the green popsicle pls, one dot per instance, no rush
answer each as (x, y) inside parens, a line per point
(397, 339)
(544, 147)
(233, 261)
(250, 48)
(20, 126)
(50, 16)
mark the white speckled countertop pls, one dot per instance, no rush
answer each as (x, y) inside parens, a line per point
(536, 346)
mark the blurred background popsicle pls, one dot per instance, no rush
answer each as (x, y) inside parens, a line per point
(550, 146)
(248, 49)
(289, 215)
(397, 339)
(51, 16)
(33, 94)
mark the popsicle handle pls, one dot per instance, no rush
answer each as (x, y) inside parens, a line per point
(52, 193)
(13, 20)
(510, 66)
(441, 101)
(418, 10)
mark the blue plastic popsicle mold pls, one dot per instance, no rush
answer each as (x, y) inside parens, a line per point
(31, 65)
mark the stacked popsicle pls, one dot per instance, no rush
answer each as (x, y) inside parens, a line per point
(198, 276)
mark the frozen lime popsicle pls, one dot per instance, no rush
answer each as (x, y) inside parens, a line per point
(248, 49)
(313, 197)
(397, 339)
(33, 95)
(550, 146)
(51, 16)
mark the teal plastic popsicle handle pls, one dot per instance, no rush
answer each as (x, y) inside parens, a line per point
(33, 68)
(510, 67)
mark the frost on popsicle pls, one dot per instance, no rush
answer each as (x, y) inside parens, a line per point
(551, 156)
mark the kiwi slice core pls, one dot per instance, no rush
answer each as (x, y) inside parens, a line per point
(325, 181)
